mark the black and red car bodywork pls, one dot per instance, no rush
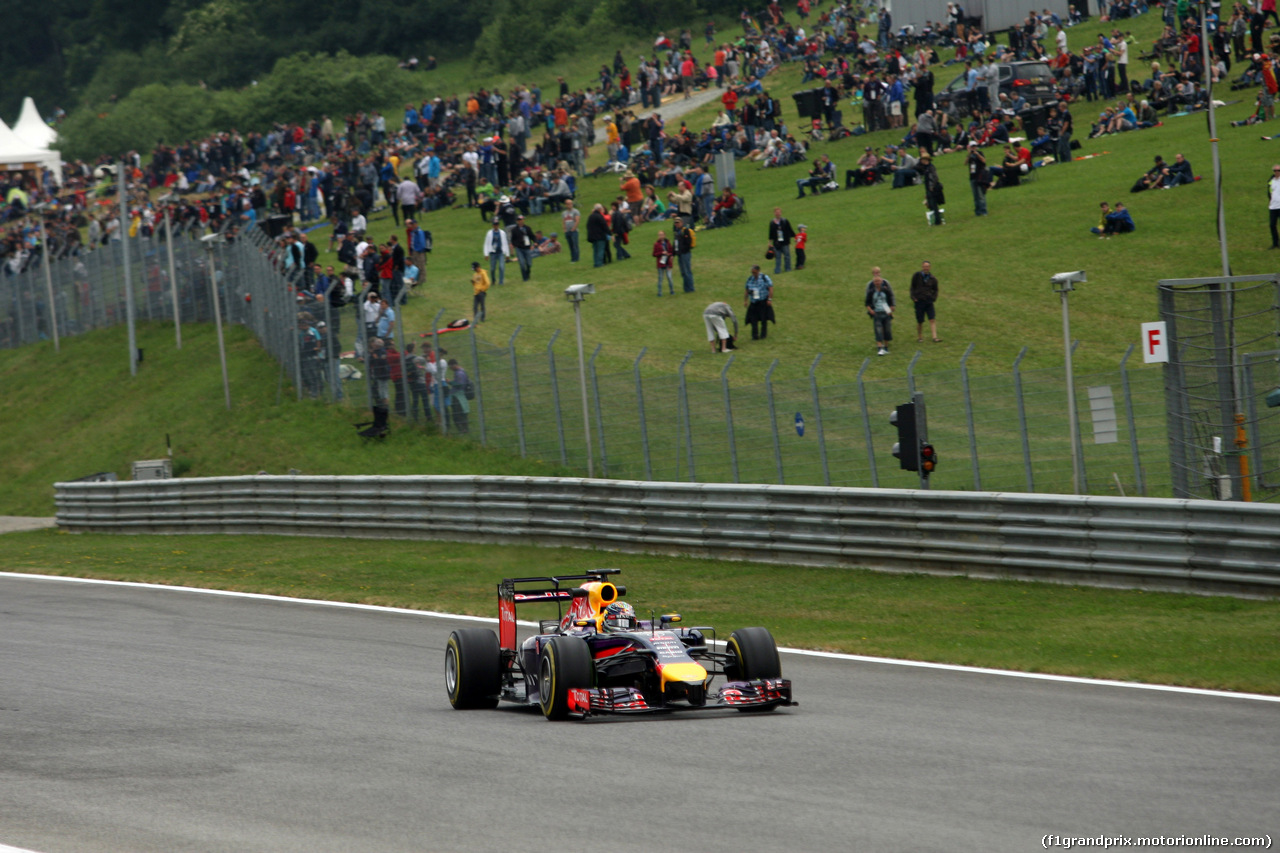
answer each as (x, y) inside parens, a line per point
(573, 668)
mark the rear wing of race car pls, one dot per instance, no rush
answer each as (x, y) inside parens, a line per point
(513, 592)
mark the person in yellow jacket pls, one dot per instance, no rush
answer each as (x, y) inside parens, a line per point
(479, 288)
(613, 140)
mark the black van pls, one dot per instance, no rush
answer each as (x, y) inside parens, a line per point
(1033, 80)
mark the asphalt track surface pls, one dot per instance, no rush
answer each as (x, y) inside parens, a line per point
(152, 719)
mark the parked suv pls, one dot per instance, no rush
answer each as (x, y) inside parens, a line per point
(1033, 80)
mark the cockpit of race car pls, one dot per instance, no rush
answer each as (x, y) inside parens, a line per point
(598, 658)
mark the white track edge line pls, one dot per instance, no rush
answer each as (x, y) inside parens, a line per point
(1008, 673)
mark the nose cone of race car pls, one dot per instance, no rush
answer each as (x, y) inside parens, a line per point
(690, 673)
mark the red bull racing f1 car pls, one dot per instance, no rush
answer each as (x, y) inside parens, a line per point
(598, 658)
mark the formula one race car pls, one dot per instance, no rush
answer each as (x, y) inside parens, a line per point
(597, 658)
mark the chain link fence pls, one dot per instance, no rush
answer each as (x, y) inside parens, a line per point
(1224, 438)
(1005, 432)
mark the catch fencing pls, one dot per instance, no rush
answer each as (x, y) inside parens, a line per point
(1224, 547)
(1005, 432)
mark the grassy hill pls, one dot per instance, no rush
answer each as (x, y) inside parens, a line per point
(994, 271)
(79, 412)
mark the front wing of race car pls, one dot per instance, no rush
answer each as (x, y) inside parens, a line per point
(760, 694)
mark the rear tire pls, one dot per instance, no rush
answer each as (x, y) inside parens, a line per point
(473, 668)
(753, 654)
(565, 664)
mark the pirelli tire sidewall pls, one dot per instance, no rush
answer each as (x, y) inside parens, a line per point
(753, 654)
(473, 668)
(564, 664)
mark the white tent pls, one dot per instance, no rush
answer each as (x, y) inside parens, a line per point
(17, 154)
(32, 129)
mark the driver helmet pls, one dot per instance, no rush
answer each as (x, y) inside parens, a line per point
(619, 616)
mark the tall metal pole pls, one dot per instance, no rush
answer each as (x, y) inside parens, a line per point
(1213, 138)
(217, 320)
(582, 378)
(173, 275)
(48, 281)
(121, 180)
(1071, 393)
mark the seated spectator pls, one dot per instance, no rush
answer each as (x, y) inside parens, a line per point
(865, 173)
(1147, 115)
(728, 207)
(822, 173)
(548, 245)
(1151, 178)
(1010, 171)
(1117, 221)
(904, 173)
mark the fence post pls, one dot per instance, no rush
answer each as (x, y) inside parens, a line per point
(555, 395)
(968, 417)
(1079, 437)
(515, 388)
(123, 234)
(773, 420)
(595, 389)
(437, 387)
(402, 391)
(866, 425)
(817, 420)
(475, 365)
(1022, 420)
(728, 415)
(644, 429)
(1133, 428)
(173, 275)
(683, 404)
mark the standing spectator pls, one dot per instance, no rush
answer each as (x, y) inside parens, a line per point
(758, 301)
(409, 196)
(598, 234)
(620, 225)
(780, 236)
(1273, 188)
(802, 241)
(924, 292)
(418, 244)
(479, 290)
(879, 303)
(685, 242)
(713, 316)
(459, 393)
(664, 251)
(496, 248)
(522, 242)
(570, 219)
(415, 374)
(979, 178)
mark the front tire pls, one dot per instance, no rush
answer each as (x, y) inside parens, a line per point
(565, 664)
(473, 668)
(753, 655)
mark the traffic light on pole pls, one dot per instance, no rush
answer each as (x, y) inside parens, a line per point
(928, 459)
(907, 447)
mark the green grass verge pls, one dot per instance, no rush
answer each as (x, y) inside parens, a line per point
(80, 412)
(1198, 641)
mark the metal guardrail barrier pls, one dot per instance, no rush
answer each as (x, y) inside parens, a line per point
(1206, 546)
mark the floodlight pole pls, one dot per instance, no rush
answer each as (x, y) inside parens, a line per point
(48, 277)
(1213, 138)
(217, 312)
(173, 277)
(582, 379)
(121, 180)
